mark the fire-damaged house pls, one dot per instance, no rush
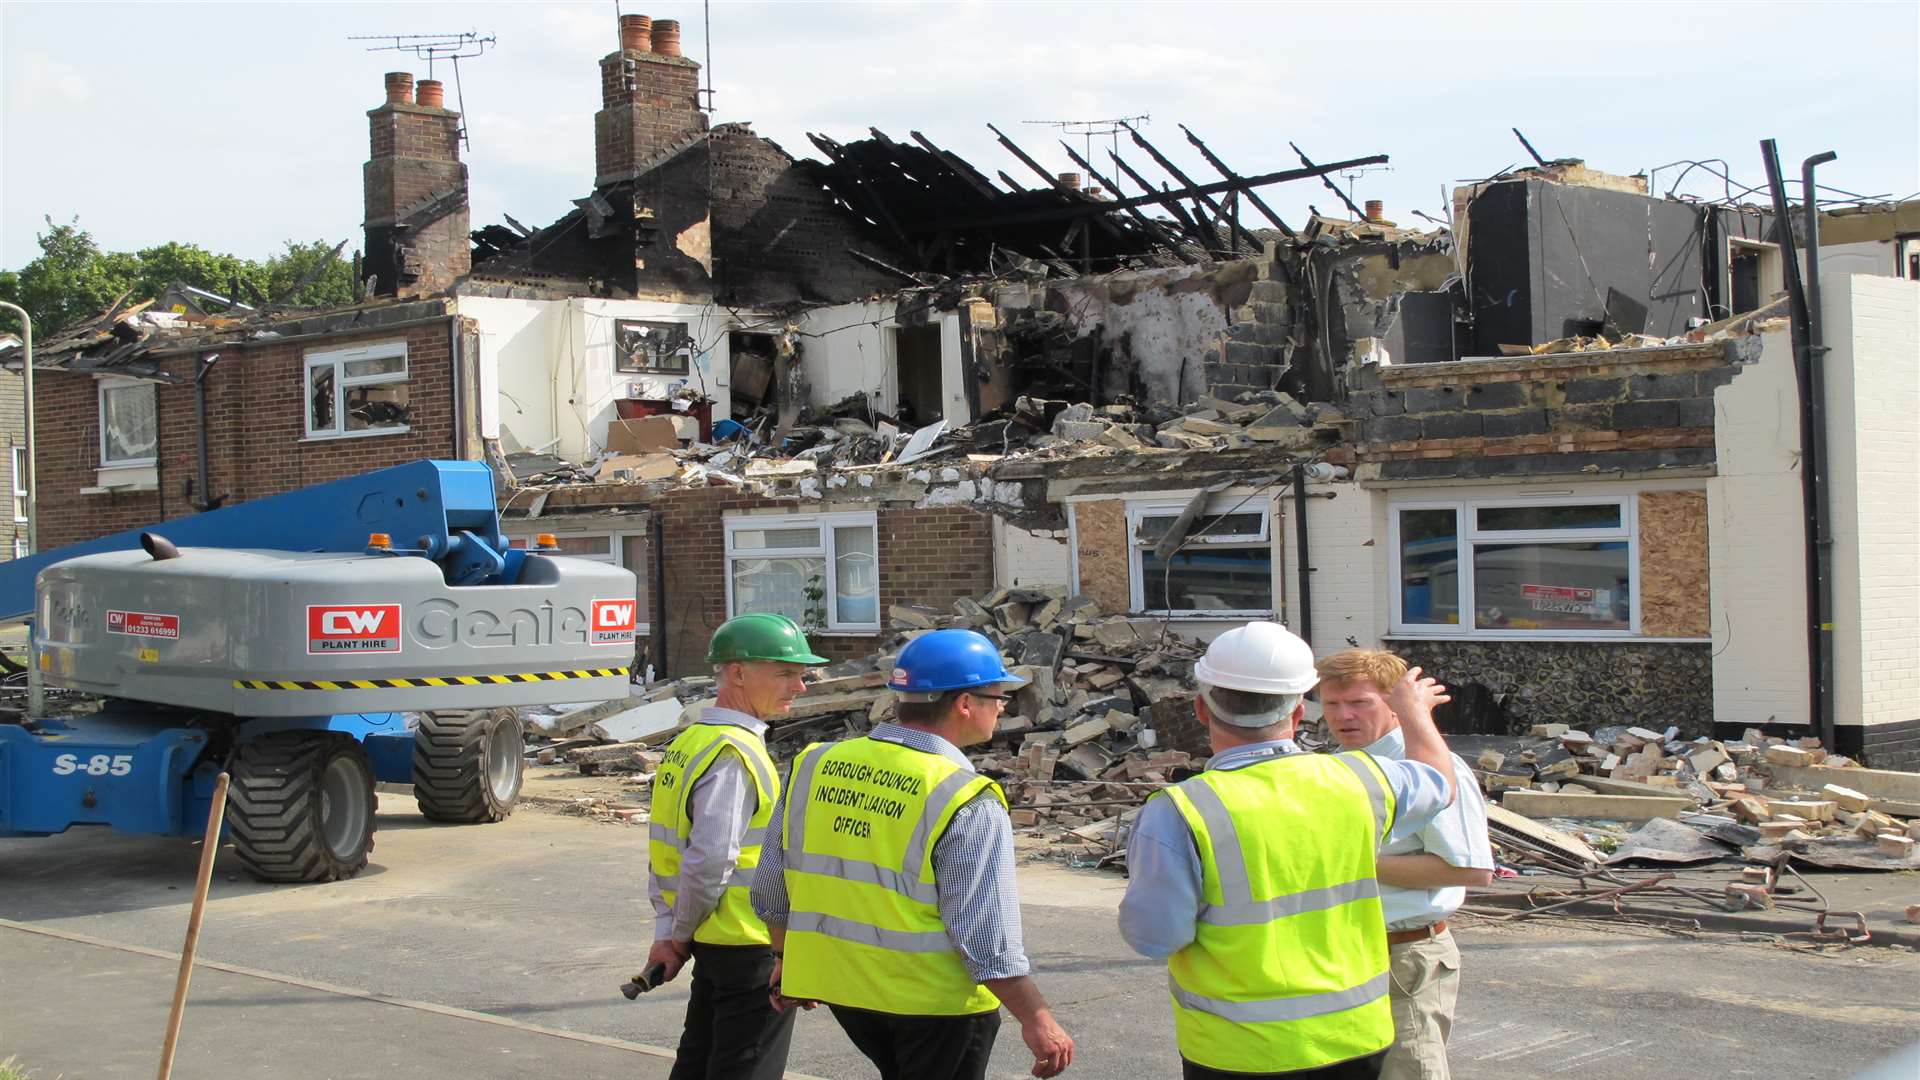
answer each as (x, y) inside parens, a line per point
(1552, 451)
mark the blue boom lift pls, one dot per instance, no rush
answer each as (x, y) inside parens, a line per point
(283, 640)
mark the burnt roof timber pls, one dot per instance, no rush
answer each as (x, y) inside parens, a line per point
(1198, 196)
(957, 167)
(1060, 213)
(1074, 194)
(1172, 204)
(1159, 232)
(868, 194)
(1331, 186)
(1252, 197)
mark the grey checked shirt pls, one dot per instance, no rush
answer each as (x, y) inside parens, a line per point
(972, 871)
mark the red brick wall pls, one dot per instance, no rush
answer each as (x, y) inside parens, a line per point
(930, 557)
(661, 110)
(257, 441)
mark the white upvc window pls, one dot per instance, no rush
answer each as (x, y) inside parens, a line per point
(820, 570)
(1222, 568)
(357, 391)
(129, 423)
(19, 485)
(1507, 567)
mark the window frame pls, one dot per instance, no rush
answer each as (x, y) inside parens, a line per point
(19, 460)
(1468, 532)
(1137, 510)
(338, 359)
(621, 365)
(100, 392)
(616, 555)
(826, 523)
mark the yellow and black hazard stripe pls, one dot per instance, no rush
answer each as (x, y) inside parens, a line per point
(432, 680)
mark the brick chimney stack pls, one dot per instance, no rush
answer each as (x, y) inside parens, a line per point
(649, 96)
(416, 192)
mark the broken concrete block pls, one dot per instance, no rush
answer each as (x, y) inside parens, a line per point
(1752, 896)
(1894, 845)
(1086, 731)
(1010, 724)
(1024, 819)
(1753, 875)
(1788, 755)
(1846, 798)
(1804, 809)
(1033, 699)
(1013, 616)
(1036, 648)
(1549, 731)
(1115, 634)
(1087, 760)
(1705, 761)
(1073, 431)
(913, 616)
(1490, 760)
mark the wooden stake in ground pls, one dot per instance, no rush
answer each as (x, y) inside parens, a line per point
(208, 848)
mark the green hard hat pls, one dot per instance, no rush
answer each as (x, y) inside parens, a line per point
(761, 635)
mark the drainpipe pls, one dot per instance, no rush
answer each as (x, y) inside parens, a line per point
(459, 405)
(1300, 543)
(205, 501)
(657, 620)
(1808, 355)
(36, 686)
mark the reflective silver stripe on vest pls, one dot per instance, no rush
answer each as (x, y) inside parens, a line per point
(931, 941)
(1255, 912)
(1272, 1010)
(943, 793)
(1227, 857)
(670, 883)
(1377, 794)
(758, 766)
(793, 836)
(866, 873)
(753, 837)
(657, 831)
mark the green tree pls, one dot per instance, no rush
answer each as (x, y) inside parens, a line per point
(73, 279)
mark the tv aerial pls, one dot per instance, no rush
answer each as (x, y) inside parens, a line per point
(433, 48)
(1089, 130)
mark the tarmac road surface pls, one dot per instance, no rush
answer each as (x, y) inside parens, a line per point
(534, 922)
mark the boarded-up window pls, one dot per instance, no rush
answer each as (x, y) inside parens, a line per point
(1100, 530)
(1673, 564)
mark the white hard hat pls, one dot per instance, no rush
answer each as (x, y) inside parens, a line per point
(1261, 658)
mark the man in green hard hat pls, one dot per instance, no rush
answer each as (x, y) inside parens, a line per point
(712, 797)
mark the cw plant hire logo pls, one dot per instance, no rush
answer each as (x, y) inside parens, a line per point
(353, 628)
(614, 622)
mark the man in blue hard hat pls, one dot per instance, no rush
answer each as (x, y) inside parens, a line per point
(886, 879)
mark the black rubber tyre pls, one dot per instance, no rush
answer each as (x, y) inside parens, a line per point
(301, 806)
(467, 765)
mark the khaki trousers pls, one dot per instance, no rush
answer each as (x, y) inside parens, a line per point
(1425, 978)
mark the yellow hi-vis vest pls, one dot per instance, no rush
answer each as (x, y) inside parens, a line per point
(1288, 966)
(690, 755)
(864, 929)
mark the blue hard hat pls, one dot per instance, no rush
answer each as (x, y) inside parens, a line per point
(950, 660)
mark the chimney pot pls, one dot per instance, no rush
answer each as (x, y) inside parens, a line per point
(1376, 210)
(430, 94)
(399, 87)
(666, 37)
(1070, 180)
(636, 33)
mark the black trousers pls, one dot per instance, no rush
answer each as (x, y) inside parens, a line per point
(1365, 1068)
(922, 1047)
(733, 1031)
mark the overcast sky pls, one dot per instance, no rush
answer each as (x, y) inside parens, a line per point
(239, 126)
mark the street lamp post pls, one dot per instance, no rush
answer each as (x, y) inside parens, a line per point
(36, 688)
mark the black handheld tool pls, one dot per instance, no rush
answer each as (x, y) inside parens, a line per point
(644, 981)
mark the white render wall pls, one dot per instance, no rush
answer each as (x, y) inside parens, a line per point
(1755, 539)
(1873, 450)
(1349, 611)
(850, 348)
(551, 365)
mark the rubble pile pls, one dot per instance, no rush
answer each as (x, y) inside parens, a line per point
(1104, 720)
(1762, 796)
(851, 434)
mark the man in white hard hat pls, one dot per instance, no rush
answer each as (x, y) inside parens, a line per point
(1255, 880)
(1424, 878)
